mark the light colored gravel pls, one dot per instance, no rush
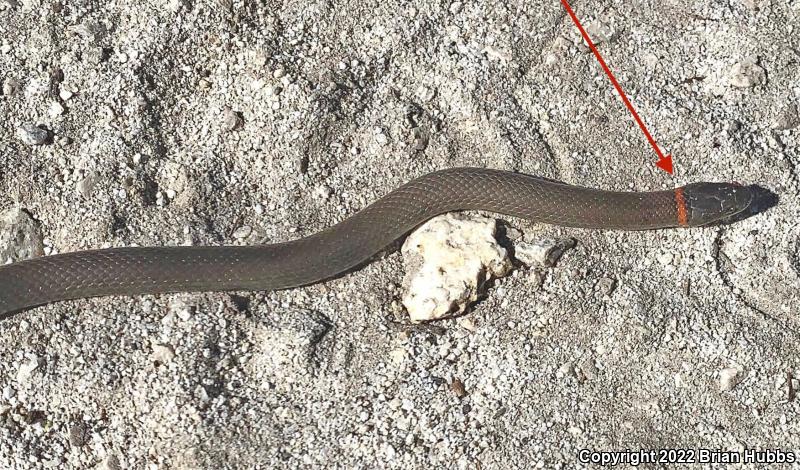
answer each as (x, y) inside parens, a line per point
(183, 122)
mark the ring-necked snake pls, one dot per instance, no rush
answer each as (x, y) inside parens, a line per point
(133, 271)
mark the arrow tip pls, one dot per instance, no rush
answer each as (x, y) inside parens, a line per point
(665, 164)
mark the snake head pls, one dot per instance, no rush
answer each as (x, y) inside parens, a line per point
(707, 203)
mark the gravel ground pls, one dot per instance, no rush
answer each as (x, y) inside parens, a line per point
(172, 122)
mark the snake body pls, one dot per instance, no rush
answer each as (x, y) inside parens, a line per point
(151, 270)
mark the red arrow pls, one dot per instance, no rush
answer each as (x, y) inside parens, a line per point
(664, 162)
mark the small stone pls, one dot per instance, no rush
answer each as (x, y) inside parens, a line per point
(181, 309)
(747, 74)
(322, 192)
(242, 232)
(458, 388)
(606, 285)
(467, 324)
(110, 463)
(537, 278)
(449, 259)
(456, 7)
(10, 87)
(32, 135)
(600, 32)
(665, 258)
(274, 90)
(729, 378)
(86, 185)
(278, 73)
(542, 252)
(565, 370)
(750, 4)
(425, 93)
(65, 94)
(787, 119)
(78, 434)
(162, 353)
(56, 109)
(20, 236)
(420, 139)
(231, 120)
(8, 392)
(32, 362)
(96, 55)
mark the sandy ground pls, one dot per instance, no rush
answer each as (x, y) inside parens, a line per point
(217, 122)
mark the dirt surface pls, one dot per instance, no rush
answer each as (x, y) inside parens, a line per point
(226, 122)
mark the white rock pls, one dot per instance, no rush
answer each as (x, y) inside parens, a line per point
(56, 109)
(600, 32)
(242, 232)
(322, 192)
(449, 258)
(65, 94)
(729, 378)
(231, 120)
(162, 353)
(32, 362)
(32, 135)
(542, 252)
(20, 237)
(788, 118)
(747, 74)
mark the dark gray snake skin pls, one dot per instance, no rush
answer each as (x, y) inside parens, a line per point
(133, 271)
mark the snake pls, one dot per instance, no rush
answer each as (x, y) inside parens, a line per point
(130, 271)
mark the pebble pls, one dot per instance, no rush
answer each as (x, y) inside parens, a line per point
(20, 236)
(747, 74)
(787, 119)
(606, 285)
(456, 7)
(600, 32)
(542, 252)
(32, 135)
(56, 109)
(729, 378)
(162, 353)
(65, 94)
(242, 232)
(458, 388)
(447, 259)
(566, 369)
(78, 434)
(96, 55)
(322, 192)
(8, 393)
(10, 87)
(32, 362)
(231, 120)
(665, 258)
